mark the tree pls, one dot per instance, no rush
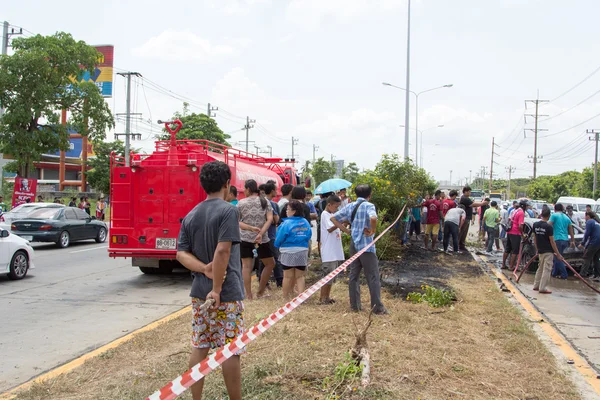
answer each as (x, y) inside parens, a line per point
(197, 127)
(350, 172)
(396, 182)
(322, 170)
(99, 174)
(38, 81)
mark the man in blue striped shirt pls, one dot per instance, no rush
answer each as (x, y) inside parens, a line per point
(362, 217)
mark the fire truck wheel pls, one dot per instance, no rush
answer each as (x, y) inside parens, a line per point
(149, 270)
(156, 271)
(101, 238)
(63, 240)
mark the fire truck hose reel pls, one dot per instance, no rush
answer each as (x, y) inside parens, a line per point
(180, 384)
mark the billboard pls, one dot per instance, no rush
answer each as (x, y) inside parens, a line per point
(76, 149)
(103, 74)
(24, 189)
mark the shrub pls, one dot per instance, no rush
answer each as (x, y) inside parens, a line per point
(434, 296)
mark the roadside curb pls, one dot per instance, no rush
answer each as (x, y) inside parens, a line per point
(77, 362)
(581, 365)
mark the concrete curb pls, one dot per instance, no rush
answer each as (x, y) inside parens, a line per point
(555, 337)
(71, 365)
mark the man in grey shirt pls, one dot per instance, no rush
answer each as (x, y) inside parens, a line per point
(209, 246)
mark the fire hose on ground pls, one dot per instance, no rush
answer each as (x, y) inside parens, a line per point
(180, 384)
(518, 276)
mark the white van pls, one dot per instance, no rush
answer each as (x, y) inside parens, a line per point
(578, 203)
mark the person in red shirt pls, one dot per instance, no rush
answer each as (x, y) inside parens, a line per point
(515, 234)
(434, 215)
(449, 203)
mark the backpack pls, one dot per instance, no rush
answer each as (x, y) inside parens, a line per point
(509, 223)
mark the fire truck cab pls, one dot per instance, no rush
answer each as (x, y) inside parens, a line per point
(150, 197)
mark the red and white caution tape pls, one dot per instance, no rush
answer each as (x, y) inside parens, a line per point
(180, 384)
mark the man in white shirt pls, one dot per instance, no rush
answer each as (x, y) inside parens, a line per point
(332, 252)
(575, 219)
(455, 218)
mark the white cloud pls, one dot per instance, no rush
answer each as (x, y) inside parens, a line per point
(187, 46)
(286, 38)
(309, 14)
(239, 7)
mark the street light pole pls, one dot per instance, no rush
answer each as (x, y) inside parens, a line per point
(416, 115)
(407, 110)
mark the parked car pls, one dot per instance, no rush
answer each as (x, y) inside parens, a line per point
(22, 211)
(573, 256)
(16, 255)
(60, 225)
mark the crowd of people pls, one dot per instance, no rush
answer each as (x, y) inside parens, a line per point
(502, 227)
(223, 239)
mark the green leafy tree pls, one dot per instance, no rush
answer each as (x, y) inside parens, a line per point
(99, 174)
(396, 182)
(350, 172)
(197, 127)
(322, 170)
(36, 82)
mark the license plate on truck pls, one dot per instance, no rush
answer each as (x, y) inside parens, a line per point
(166, 243)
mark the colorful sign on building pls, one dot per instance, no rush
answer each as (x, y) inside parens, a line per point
(24, 189)
(103, 74)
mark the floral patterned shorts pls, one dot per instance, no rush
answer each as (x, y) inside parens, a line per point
(216, 328)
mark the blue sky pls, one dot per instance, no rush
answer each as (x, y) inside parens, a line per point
(312, 69)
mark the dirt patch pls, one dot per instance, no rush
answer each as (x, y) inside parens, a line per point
(480, 348)
(419, 267)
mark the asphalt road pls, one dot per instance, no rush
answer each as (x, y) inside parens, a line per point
(75, 300)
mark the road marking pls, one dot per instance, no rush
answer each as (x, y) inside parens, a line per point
(93, 248)
(582, 366)
(71, 365)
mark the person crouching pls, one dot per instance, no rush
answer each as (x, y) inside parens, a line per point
(292, 239)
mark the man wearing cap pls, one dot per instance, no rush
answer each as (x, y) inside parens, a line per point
(563, 228)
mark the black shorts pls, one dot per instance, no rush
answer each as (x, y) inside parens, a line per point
(264, 250)
(301, 268)
(513, 243)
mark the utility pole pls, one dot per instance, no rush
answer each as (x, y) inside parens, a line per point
(294, 142)
(270, 151)
(210, 113)
(6, 36)
(510, 170)
(315, 148)
(257, 149)
(450, 177)
(483, 174)
(470, 175)
(247, 127)
(5, 43)
(407, 105)
(596, 137)
(535, 130)
(492, 165)
(128, 114)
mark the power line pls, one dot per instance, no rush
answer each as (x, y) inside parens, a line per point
(577, 85)
(574, 126)
(569, 109)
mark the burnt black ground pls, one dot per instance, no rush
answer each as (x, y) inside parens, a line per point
(417, 267)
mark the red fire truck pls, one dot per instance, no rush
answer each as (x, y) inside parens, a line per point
(150, 198)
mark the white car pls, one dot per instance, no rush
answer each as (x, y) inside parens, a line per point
(21, 212)
(16, 255)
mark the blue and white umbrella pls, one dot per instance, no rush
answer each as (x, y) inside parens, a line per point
(332, 185)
